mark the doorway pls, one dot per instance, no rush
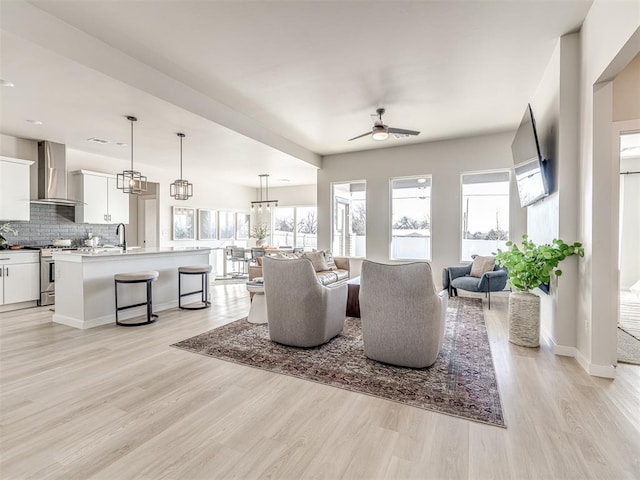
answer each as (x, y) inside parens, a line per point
(629, 256)
(148, 218)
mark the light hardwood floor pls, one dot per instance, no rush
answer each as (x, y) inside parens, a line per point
(119, 403)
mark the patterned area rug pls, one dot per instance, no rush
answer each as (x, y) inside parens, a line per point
(461, 382)
(630, 314)
(628, 348)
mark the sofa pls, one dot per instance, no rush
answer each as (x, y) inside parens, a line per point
(338, 269)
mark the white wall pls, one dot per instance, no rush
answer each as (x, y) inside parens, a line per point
(295, 196)
(207, 192)
(555, 107)
(610, 38)
(445, 161)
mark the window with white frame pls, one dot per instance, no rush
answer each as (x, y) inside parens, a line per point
(485, 212)
(295, 227)
(411, 218)
(348, 231)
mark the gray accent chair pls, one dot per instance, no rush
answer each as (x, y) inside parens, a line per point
(301, 312)
(458, 277)
(403, 316)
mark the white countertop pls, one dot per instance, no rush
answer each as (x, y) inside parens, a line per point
(109, 252)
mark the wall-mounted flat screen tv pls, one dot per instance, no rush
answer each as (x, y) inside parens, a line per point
(529, 166)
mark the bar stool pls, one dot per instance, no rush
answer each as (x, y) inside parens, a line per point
(203, 271)
(136, 277)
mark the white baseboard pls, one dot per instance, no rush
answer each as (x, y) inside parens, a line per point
(110, 318)
(606, 371)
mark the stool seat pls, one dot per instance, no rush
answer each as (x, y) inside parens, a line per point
(136, 276)
(195, 269)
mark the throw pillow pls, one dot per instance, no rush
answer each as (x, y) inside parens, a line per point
(318, 260)
(482, 265)
(259, 261)
(331, 263)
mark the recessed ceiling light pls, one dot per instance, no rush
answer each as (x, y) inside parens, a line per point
(97, 140)
(286, 180)
(422, 180)
(6, 83)
(122, 144)
(34, 122)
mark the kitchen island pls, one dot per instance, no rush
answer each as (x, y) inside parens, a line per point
(85, 295)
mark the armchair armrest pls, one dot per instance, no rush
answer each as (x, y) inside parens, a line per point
(461, 271)
(493, 281)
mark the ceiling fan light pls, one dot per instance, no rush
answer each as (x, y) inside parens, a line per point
(380, 135)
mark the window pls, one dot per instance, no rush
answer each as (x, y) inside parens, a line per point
(283, 226)
(295, 227)
(485, 212)
(348, 230)
(306, 228)
(411, 218)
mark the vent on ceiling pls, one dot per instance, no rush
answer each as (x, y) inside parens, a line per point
(97, 140)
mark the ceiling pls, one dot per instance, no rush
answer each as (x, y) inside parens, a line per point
(269, 87)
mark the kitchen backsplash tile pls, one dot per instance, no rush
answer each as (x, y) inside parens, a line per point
(49, 222)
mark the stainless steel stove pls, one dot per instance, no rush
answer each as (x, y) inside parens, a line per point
(48, 272)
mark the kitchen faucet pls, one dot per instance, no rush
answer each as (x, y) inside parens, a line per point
(122, 237)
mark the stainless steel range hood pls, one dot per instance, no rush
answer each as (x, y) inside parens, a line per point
(52, 174)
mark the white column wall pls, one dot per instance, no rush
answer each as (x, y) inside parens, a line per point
(610, 38)
(555, 106)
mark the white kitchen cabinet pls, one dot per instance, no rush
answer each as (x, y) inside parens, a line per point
(19, 277)
(14, 189)
(103, 202)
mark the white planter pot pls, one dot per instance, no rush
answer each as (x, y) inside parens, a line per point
(524, 319)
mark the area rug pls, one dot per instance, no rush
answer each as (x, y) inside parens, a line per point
(628, 348)
(461, 382)
(630, 314)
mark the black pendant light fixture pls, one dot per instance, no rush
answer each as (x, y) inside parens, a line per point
(264, 200)
(181, 189)
(130, 181)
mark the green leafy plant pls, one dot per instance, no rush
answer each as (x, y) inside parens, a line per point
(7, 228)
(532, 265)
(260, 231)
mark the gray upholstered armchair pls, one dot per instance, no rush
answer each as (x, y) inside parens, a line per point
(403, 316)
(459, 277)
(301, 312)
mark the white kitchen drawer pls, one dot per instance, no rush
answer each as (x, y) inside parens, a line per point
(10, 257)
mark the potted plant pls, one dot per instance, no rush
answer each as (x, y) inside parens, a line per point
(531, 266)
(6, 228)
(260, 232)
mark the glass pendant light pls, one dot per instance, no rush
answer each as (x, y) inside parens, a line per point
(264, 201)
(181, 189)
(130, 181)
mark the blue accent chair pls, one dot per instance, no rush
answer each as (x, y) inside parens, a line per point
(459, 277)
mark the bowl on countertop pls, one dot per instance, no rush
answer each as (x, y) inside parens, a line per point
(92, 242)
(61, 242)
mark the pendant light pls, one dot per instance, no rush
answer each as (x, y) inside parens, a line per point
(181, 189)
(130, 181)
(264, 201)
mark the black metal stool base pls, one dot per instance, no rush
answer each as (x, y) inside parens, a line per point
(154, 317)
(151, 317)
(204, 291)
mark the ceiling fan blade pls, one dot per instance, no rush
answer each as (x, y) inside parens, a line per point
(360, 136)
(402, 131)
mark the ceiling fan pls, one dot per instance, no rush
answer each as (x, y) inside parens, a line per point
(380, 131)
